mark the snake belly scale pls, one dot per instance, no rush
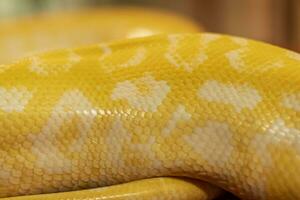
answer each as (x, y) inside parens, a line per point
(205, 106)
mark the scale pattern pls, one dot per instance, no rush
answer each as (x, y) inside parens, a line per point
(206, 106)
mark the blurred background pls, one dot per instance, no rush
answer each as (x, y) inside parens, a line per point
(273, 21)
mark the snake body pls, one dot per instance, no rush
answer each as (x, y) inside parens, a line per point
(45, 31)
(211, 107)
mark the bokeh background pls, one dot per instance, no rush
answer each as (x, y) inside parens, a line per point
(273, 21)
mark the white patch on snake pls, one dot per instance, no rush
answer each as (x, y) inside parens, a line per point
(106, 51)
(45, 144)
(146, 149)
(273, 147)
(240, 41)
(42, 68)
(73, 57)
(276, 64)
(293, 55)
(235, 58)
(15, 99)
(271, 64)
(213, 142)
(137, 58)
(292, 101)
(128, 90)
(119, 141)
(36, 66)
(179, 115)
(114, 141)
(178, 61)
(3, 68)
(276, 134)
(239, 96)
(208, 38)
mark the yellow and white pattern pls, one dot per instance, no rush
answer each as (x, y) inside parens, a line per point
(184, 105)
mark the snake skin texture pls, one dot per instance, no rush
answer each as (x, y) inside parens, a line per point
(210, 107)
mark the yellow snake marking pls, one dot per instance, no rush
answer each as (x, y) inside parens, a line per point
(106, 51)
(124, 60)
(239, 96)
(117, 134)
(144, 93)
(241, 57)
(292, 101)
(278, 132)
(180, 114)
(3, 68)
(240, 41)
(104, 127)
(275, 64)
(14, 99)
(175, 54)
(209, 38)
(129, 150)
(49, 156)
(217, 151)
(265, 145)
(235, 57)
(63, 63)
(293, 55)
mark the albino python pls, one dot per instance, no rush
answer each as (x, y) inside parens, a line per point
(216, 108)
